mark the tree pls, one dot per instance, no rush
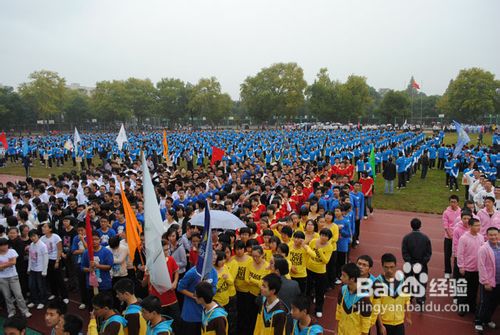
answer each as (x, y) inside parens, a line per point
(206, 100)
(13, 110)
(141, 97)
(355, 98)
(44, 94)
(172, 99)
(110, 101)
(76, 106)
(394, 105)
(323, 97)
(471, 96)
(275, 91)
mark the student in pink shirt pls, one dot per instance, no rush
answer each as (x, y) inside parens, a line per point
(489, 278)
(489, 216)
(449, 216)
(460, 228)
(467, 258)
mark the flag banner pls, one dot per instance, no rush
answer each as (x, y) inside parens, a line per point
(462, 139)
(26, 148)
(132, 227)
(3, 140)
(217, 155)
(415, 85)
(121, 138)
(90, 249)
(166, 155)
(205, 255)
(372, 162)
(153, 230)
(76, 139)
(68, 145)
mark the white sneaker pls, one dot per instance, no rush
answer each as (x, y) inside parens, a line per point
(447, 276)
(31, 305)
(40, 306)
(66, 301)
(11, 315)
(27, 315)
(492, 325)
(82, 306)
(338, 282)
(479, 328)
(52, 297)
(319, 314)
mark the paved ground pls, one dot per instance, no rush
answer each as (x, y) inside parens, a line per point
(381, 233)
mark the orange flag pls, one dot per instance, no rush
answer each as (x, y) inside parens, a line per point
(132, 227)
(165, 147)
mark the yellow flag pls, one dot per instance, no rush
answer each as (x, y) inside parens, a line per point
(165, 147)
(132, 227)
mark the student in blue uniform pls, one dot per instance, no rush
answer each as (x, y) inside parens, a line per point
(303, 323)
(156, 323)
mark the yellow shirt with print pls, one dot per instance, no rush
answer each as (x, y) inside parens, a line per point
(318, 257)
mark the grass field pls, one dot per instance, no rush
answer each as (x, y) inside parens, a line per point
(421, 195)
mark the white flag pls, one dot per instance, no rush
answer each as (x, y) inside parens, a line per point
(76, 139)
(121, 138)
(153, 230)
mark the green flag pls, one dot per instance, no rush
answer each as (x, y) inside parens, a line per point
(372, 161)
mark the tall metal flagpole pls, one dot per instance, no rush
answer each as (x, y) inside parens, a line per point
(421, 116)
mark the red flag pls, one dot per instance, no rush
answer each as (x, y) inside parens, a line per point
(3, 140)
(415, 85)
(90, 249)
(217, 155)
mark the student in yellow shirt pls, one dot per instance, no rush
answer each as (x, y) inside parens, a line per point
(113, 323)
(330, 267)
(272, 316)
(390, 300)
(286, 234)
(311, 231)
(353, 309)
(256, 270)
(320, 251)
(224, 280)
(231, 307)
(239, 263)
(298, 258)
(266, 236)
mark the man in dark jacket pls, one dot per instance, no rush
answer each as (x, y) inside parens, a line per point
(417, 249)
(389, 175)
(425, 164)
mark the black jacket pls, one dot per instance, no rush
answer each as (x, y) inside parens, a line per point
(416, 248)
(389, 171)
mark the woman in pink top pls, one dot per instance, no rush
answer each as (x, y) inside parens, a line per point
(489, 277)
(460, 228)
(467, 260)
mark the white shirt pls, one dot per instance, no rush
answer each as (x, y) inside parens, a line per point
(38, 260)
(479, 197)
(11, 270)
(119, 268)
(51, 244)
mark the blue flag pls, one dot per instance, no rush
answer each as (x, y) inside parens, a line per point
(25, 147)
(462, 139)
(205, 255)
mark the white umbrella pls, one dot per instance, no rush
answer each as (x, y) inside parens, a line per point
(218, 220)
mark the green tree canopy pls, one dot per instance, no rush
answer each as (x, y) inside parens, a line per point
(323, 97)
(13, 110)
(355, 98)
(141, 97)
(395, 104)
(110, 101)
(275, 91)
(44, 94)
(76, 106)
(471, 96)
(206, 100)
(173, 95)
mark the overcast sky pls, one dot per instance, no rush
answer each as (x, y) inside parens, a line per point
(387, 41)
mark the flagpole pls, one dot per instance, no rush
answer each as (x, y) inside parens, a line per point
(421, 115)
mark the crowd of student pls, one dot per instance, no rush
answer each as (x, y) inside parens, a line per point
(302, 219)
